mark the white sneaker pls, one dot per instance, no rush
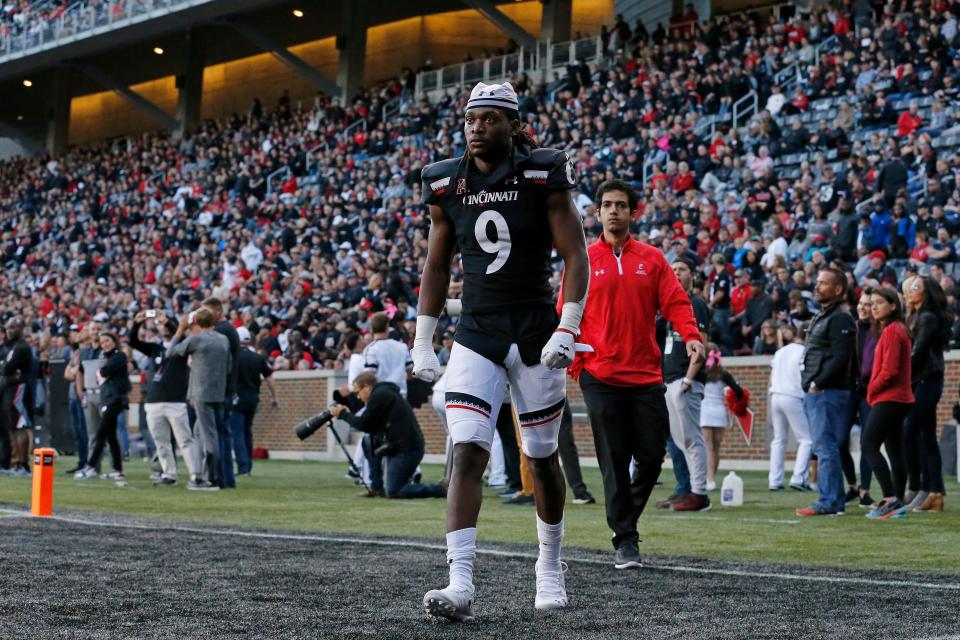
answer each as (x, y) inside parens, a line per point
(711, 486)
(85, 474)
(113, 475)
(451, 603)
(551, 589)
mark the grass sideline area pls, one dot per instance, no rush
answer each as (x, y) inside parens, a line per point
(315, 497)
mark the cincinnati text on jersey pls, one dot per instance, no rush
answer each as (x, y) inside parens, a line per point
(485, 197)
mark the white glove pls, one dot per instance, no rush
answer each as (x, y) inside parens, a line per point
(426, 366)
(558, 352)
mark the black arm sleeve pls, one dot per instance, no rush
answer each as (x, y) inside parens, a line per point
(731, 382)
(926, 326)
(374, 419)
(843, 335)
(146, 348)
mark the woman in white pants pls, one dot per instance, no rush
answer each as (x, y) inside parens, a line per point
(786, 410)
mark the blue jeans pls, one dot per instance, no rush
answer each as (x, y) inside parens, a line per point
(241, 429)
(680, 470)
(720, 319)
(827, 414)
(400, 468)
(225, 476)
(122, 433)
(79, 422)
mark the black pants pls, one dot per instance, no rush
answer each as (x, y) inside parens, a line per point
(569, 456)
(6, 421)
(925, 468)
(885, 427)
(107, 435)
(859, 412)
(511, 452)
(627, 422)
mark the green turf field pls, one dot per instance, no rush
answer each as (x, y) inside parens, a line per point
(310, 496)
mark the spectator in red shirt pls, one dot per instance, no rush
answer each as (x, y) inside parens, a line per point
(890, 398)
(740, 294)
(684, 180)
(909, 121)
(621, 380)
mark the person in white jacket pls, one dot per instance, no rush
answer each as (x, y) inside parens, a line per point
(786, 410)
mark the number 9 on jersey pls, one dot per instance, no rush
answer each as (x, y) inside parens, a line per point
(500, 246)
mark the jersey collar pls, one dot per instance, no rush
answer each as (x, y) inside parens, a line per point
(507, 168)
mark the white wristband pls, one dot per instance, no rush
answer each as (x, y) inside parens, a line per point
(426, 326)
(570, 317)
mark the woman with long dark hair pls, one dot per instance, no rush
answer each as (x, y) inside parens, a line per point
(929, 320)
(114, 388)
(890, 397)
(867, 335)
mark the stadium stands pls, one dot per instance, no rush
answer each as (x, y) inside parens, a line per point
(312, 218)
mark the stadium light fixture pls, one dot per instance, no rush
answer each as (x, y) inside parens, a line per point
(297, 13)
(19, 118)
(28, 83)
(158, 51)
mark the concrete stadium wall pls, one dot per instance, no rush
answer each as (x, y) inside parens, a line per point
(305, 393)
(443, 38)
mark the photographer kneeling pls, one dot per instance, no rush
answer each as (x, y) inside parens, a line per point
(396, 436)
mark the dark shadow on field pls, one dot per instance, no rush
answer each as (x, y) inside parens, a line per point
(68, 580)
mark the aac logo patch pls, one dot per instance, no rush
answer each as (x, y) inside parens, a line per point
(439, 186)
(538, 177)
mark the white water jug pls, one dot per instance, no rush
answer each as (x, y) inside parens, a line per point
(731, 494)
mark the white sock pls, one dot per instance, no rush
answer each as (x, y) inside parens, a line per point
(461, 550)
(550, 536)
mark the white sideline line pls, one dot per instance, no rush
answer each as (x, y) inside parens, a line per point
(507, 554)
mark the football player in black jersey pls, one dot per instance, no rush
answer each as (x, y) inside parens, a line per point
(505, 205)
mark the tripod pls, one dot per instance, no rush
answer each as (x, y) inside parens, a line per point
(353, 465)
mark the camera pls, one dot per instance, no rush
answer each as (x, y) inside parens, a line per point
(152, 313)
(310, 426)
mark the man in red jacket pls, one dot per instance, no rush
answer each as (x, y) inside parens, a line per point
(622, 382)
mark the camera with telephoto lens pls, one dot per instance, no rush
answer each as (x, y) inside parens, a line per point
(310, 426)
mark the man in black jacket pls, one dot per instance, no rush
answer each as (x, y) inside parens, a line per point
(386, 412)
(165, 400)
(16, 403)
(831, 340)
(253, 370)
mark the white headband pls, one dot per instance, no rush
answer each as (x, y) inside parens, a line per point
(493, 95)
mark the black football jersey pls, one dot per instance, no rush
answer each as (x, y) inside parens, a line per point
(501, 225)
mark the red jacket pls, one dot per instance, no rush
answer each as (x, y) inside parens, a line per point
(890, 379)
(619, 320)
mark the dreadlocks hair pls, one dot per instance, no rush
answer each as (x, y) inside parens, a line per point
(525, 138)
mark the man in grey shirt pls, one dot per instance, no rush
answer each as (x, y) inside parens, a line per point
(209, 354)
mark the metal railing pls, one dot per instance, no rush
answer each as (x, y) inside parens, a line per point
(826, 44)
(544, 58)
(310, 156)
(282, 174)
(391, 108)
(80, 21)
(745, 107)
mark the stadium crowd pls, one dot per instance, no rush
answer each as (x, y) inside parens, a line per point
(309, 220)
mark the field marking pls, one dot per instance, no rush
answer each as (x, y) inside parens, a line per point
(737, 573)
